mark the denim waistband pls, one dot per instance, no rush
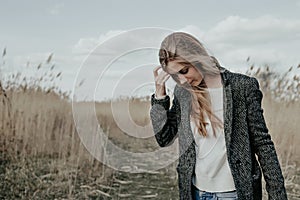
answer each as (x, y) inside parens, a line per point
(199, 194)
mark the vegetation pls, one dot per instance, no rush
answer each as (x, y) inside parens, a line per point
(41, 156)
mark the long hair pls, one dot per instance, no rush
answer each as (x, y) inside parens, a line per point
(184, 49)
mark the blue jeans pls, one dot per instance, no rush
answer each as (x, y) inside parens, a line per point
(201, 195)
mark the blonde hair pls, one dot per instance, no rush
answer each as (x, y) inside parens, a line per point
(184, 49)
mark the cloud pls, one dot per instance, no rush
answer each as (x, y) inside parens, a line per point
(56, 9)
(235, 29)
(266, 39)
(86, 45)
(192, 29)
(117, 59)
(131, 39)
(132, 47)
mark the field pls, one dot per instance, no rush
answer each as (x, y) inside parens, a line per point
(42, 157)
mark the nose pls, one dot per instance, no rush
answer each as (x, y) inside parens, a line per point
(182, 79)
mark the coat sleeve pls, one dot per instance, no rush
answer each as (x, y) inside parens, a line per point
(164, 120)
(262, 143)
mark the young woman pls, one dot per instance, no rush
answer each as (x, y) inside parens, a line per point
(217, 116)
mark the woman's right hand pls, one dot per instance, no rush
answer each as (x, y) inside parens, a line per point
(160, 80)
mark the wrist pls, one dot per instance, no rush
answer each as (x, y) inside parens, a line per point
(159, 96)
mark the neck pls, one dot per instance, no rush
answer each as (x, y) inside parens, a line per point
(213, 81)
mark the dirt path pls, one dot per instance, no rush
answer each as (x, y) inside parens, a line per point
(161, 184)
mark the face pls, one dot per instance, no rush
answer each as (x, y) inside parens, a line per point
(184, 74)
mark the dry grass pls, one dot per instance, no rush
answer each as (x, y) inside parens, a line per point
(283, 122)
(41, 156)
(281, 105)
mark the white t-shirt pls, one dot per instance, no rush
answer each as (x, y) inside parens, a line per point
(212, 172)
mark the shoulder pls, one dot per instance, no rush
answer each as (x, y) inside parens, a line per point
(239, 79)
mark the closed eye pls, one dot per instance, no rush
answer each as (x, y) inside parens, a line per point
(185, 70)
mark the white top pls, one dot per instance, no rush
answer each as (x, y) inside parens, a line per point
(212, 172)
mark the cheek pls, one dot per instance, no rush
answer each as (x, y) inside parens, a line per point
(200, 76)
(196, 74)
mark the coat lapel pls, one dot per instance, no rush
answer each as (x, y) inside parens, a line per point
(227, 107)
(185, 100)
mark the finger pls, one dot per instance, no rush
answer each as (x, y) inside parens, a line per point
(155, 70)
(166, 78)
(162, 78)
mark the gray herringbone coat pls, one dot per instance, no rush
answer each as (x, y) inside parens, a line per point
(246, 137)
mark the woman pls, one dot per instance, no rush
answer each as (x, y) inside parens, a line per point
(217, 116)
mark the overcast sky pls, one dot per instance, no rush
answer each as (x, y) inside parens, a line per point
(266, 31)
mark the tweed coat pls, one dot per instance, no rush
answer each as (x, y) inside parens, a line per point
(250, 149)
